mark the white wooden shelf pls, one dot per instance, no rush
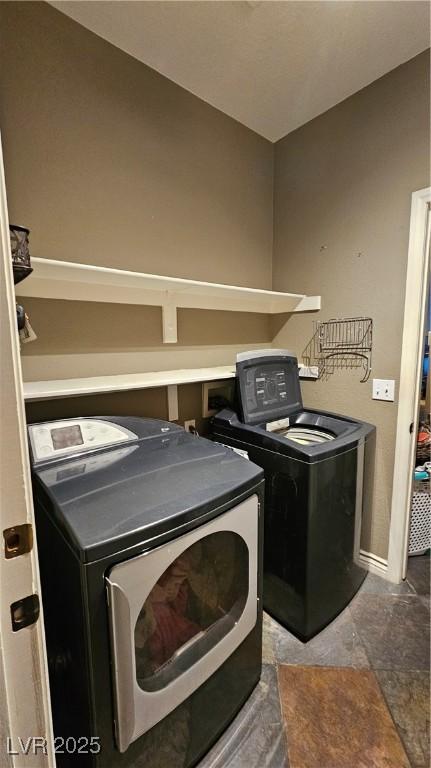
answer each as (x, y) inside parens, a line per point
(47, 390)
(85, 282)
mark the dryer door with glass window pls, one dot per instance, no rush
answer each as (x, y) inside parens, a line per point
(176, 614)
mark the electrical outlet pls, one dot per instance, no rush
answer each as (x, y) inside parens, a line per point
(190, 426)
(384, 389)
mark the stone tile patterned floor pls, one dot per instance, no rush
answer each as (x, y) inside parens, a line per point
(337, 716)
(385, 633)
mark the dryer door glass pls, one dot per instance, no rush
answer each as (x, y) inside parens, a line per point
(191, 607)
(177, 612)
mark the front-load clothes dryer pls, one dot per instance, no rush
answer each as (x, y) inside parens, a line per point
(150, 554)
(318, 481)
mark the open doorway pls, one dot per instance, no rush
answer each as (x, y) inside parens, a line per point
(419, 530)
(417, 562)
(411, 412)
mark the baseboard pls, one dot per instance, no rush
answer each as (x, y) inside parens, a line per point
(374, 563)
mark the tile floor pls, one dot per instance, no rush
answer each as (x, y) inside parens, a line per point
(355, 696)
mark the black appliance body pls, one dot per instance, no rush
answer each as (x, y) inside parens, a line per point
(318, 481)
(150, 553)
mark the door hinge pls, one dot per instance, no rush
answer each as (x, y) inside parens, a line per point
(18, 540)
(24, 612)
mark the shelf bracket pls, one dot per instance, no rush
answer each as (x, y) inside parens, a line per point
(169, 319)
(173, 402)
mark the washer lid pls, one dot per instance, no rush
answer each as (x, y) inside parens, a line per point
(106, 501)
(268, 385)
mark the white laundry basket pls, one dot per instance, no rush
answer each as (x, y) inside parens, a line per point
(420, 519)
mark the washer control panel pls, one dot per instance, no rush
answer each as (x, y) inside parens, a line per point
(271, 386)
(268, 386)
(55, 439)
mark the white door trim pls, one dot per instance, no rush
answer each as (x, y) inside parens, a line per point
(24, 691)
(374, 563)
(409, 387)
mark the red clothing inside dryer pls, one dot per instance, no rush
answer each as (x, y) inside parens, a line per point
(173, 628)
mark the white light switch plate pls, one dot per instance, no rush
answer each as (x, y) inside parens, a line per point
(384, 389)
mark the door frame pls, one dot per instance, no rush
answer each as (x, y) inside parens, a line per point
(25, 711)
(409, 385)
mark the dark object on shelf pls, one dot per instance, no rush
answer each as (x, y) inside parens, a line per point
(20, 317)
(20, 252)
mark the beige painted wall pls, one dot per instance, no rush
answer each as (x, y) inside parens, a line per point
(110, 163)
(149, 402)
(344, 181)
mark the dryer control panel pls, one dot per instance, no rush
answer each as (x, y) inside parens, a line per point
(53, 440)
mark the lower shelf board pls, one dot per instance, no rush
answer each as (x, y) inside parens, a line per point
(123, 382)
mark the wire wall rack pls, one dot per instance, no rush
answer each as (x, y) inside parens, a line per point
(341, 344)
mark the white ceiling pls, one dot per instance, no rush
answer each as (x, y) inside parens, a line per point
(270, 65)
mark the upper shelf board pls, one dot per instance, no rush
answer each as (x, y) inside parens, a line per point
(53, 279)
